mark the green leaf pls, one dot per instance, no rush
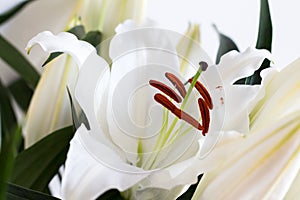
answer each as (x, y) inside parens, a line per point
(9, 120)
(18, 62)
(10, 13)
(113, 194)
(51, 57)
(264, 39)
(78, 31)
(77, 120)
(21, 93)
(35, 166)
(190, 192)
(226, 45)
(93, 37)
(16, 192)
(9, 143)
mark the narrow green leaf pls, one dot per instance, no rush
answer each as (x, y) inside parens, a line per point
(16, 192)
(77, 120)
(111, 194)
(21, 93)
(93, 37)
(226, 45)
(264, 39)
(190, 192)
(18, 62)
(9, 120)
(10, 13)
(51, 57)
(35, 166)
(78, 31)
(9, 144)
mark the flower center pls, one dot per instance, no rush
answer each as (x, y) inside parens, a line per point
(204, 102)
(167, 134)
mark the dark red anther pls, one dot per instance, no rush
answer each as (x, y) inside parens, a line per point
(164, 101)
(204, 115)
(204, 93)
(177, 83)
(166, 89)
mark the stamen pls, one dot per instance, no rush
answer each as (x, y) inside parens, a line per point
(166, 89)
(177, 83)
(204, 115)
(177, 112)
(204, 93)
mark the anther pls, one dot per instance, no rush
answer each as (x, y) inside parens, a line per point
(204, 93)
(177, 112)
(177, 83)
(166, 89)
(204, 115)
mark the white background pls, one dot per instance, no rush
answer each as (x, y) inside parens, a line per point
(237, 19)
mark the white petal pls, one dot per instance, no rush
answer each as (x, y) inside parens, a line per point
(236, 101)
(234, 65)
(50, 104)
(87, 174)
(138, 56)
(90, 90)
(264, 166)
(62, 42)
(280, 91)
(49, 108)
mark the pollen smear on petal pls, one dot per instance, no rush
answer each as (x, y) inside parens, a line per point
(204, 93)
(177, 112)
(204, 115)
(177, 83)
(166, 89)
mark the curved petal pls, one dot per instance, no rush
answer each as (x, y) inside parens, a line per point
(265, 165)
(280, 91)
(138, 56)
(234, 65)
(49, 108)
(237, 100)
(87, 175)
(62, 42)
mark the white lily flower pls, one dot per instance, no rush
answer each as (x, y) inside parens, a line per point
(134, 144)
(50, 105)
(266, 163)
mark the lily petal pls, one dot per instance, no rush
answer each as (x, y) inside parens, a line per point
(139, 54)
(50, 109)
(62, 42)
(237, 102)
(234, 65)
(264, 166)
(280, 92)
(87, 175)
